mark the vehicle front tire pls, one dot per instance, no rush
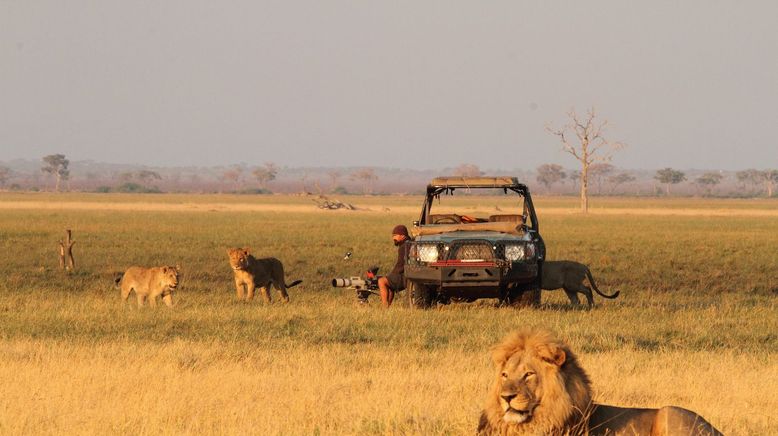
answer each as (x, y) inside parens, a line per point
(421, 296)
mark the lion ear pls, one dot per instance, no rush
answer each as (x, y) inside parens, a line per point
(246, 250)
(501, 353)
(553, 354)
(177, 268)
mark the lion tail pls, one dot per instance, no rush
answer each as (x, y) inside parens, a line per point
(293, 284)
(594, 286)
(117, 279)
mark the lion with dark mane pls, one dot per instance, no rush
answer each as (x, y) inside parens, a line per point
(542, 390)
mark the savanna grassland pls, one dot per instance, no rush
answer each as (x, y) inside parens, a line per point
(696, 324)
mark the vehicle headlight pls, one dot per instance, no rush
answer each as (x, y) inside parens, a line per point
(427, 253)
(529, 251)
(514, 252)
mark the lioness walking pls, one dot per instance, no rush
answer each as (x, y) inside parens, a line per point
(570, 276)
(251, 273)
(149, 283)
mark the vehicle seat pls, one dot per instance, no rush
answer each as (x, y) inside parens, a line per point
(444, 218)
(511, 218)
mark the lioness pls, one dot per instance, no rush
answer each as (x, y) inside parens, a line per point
(540, 389)
(570, 276)
(251, 273)
(149, 283)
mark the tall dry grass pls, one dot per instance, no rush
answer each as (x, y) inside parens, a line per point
(695, 325)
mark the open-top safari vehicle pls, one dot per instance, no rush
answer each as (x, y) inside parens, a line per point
(459, 257)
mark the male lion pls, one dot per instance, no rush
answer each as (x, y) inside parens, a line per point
(251, 273)
(570, 276)
(149, 283)
(542, 390)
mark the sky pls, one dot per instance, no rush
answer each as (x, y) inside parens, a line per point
(413, 84)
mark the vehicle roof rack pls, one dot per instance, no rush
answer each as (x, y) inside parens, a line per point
(476, 182)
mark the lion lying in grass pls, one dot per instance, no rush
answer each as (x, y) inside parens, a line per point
(541, 389)
(570, 276)
(251, 273)
(149, 283)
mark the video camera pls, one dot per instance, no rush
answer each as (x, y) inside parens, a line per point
(363, 286)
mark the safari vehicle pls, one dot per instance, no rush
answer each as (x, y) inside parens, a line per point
(457, 257)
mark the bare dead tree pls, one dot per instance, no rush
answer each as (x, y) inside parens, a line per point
(590, 147)
(66, 261)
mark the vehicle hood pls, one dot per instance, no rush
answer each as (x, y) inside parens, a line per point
(449, 237)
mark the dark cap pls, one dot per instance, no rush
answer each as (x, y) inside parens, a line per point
(400, 229)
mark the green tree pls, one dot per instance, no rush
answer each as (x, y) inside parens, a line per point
(708, 181)
(598, 172)
(147, 175)
(56, 165)
(769, 178)
(748, 177)
(669, 176)
(620, 179)
(548, 174)
(266, 173)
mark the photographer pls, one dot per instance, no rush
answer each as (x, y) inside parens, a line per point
(395, 280)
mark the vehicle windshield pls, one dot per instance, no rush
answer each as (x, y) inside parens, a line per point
(481, 205)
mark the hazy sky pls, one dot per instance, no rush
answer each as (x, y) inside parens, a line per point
(418, 84)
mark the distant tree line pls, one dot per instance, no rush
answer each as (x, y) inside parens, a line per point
(602, 178)
(751, 182)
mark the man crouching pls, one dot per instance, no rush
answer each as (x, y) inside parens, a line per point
(395, 280)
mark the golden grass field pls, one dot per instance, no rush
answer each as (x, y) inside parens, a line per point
(696, 324)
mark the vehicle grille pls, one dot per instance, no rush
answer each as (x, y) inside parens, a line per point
(472, 251)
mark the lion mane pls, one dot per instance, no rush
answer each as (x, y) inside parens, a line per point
(149, 283)
(251, 273)
(540, 389)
